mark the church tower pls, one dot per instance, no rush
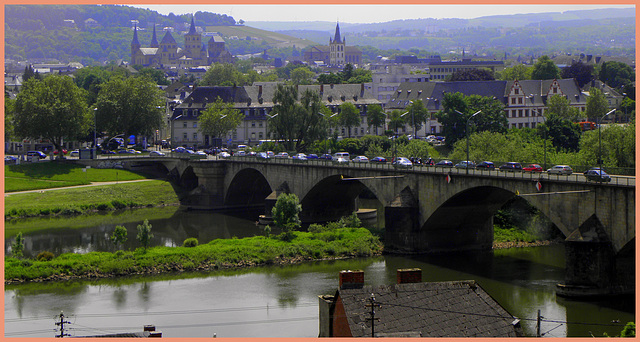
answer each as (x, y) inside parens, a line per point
(337, 48)
(154, 40)
(135, 47)
(193, 42)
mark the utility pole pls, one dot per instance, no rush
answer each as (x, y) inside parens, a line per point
(373, 306)
(538, 325)
(61, 324)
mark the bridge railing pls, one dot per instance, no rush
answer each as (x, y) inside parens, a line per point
(577, 177)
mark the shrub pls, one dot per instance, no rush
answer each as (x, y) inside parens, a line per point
(119, 235)
(104, 206)
(45, 256)
(17, 246)
(316, 228)
(118, 204)
(286, 212)
(351, 221)
(190, 242)
(267, 231)
(144, 234)
(71, 211)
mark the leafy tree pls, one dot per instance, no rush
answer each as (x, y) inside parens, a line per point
(301, 75)
(618, 146)
(30, 73)
(359, 76)
(286, 213)
(453, 124)
(597, 104)
(53, 108)
(17, 247)
(144, 234)
(349, 116)
(472, 75)
(297, 123)
(133, 105)
(222, 74)
(119, 235)
(396, 120)
(616, 74)
(376, 117)
(491, 118)
(9, 109)
(416, 148)
(347, 72)
(219, 119)
(560, 106)
(156, 75)
(627, 108)
(417, 114)
(563, 133)
(516, 72)
(545, 69)
(329, 78)
(583, 73)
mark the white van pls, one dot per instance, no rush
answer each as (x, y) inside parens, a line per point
(341, 157)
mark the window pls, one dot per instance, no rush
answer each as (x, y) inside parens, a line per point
(526, 113)
(253, 124)
(519, 100)
(520, 113)
(516, 91)
(513, 100)
(259, 123)
(260, 135)
(195, 124)
(185, 137)
(184, 124)
(195, 136)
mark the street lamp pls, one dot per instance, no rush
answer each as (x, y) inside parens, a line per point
(467, 133)
(600, 139)
(95, 118)
(173, 123)
(544, 140)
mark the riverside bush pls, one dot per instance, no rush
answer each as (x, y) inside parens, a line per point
(45, 256)
(190, 242)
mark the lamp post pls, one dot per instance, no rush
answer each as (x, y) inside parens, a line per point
(600, 139)
(544, 140)
(173, 123)
(95, 118)
(467, 133)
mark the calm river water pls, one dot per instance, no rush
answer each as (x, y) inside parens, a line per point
(268, 301)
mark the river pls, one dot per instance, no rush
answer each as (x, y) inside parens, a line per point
(277, 301)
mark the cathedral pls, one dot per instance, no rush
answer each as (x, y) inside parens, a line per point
(168, 54)
(336, 54)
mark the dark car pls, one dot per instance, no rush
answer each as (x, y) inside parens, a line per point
(597, 176)
(379, 160)
(326, 156)
(444, 163)
(486, 165)
(593, 168)
(312, 156)
(532, 168)
(511, 166)
(36, 154)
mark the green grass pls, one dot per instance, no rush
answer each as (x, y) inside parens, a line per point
(217, 254)
(45, 175)
(79, 200)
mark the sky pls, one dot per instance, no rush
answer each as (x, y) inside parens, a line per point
(365, 13)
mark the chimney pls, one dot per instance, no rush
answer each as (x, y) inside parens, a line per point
(321, 88)
(259, 91)
(361, 89)
(351, 279)
(409, 275)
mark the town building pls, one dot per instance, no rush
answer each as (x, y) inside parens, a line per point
(167, 53)
(335, 54)
(256, 102)
(412, 308)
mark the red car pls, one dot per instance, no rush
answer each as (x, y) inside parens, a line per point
(63, 152)
(532, 168)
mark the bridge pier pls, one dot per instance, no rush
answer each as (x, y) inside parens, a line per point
(209, 194)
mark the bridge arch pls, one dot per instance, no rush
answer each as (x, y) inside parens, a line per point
(248, 187)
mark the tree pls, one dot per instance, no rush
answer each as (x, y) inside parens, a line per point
(597, 105)
(347, 72)
(583, 73)
(156, 75)
(472, 75)
(286, 214)
(119, 235)
(564, 134)
(545, 69)
(492, 117)
(53, 108)
(396, 120)
(417, 114)
(17, 247)
(349, 116)
(376, 117)
(297, 123)
(301, 75)
(144, 234)
(453, 124)
(329, 78)
(516, 72)
(560, 106)
(617, 74)
(128, 106)
(219, 119)
(222, 74)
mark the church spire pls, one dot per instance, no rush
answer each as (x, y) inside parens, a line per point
(192, 30)
(154, 40)
(336, 38)
(135, 41)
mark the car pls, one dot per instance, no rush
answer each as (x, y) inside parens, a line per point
(252, 153)
(181, 149)
(64, 151)
(360, 159)
(402, 162)
(270, 154)
(10, 158)
(593, 168)
(342, 154)
(486, 165)
(379, 160)
(262, 155)
(326, 157)
(241, 153)
(532, 168)
(36, 154)
(444, 163)
(300, 157)
(465, 164)
(560, 170)
(511, 166)
(156, 154)
(312, 156)
(127, 151)
(200, 153)
(107, 152)
(224, 154)
(282, 155)
(74, 153)
(597, 176)
(340, 160)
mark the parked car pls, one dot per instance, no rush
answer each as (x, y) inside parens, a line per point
(532, 168)
(312, 156)
(224, 155)
(300, 157)
(181, 149)
(200, 153)
(486, 165)
(379, 160)
(465, 164)
(360, 159)
(64, 151)
(342, 154)
(156, 154)
(262, 155)
(270, 154)
(326, 157)
(402, 162)
(36, 154)
(560, 170)
(107, 152)
(511, 166)
(241, 153)
(444, 163)
(340, 160)
(282, 155)
(10, 158)
(597, 176)
(74, 153)
(593, 168)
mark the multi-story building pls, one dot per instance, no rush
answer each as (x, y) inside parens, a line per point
(439, 70)
(336, 53)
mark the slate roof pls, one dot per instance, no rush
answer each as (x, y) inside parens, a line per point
(168, 39)
(432, 309)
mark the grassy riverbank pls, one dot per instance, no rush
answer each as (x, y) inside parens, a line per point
(74, 201)
(52, 174)
(217, 254)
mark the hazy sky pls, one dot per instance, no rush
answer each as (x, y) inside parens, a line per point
(365, 13)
